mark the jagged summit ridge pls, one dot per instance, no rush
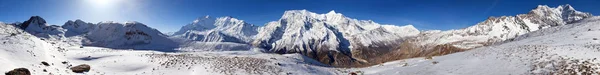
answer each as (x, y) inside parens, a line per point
(222, 29)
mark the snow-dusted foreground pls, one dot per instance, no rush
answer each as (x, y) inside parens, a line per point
(131, 62)
(30, 52)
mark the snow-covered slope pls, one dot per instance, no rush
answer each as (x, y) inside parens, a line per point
(564, 50)
(223, 29)
(19, 49)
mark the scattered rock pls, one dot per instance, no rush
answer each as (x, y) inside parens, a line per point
(80, 46)
(81, 68)
(44, 70)
(18, 71)
(352, 73)
(429, 57)
(13, 34)
(594, 38)
(45, 63)
(356, 73)
(64, 62)
(435, 62)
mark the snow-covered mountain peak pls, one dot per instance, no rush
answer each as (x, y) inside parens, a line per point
(332, 12)
(565, 12)
(37, 19)
(139, 25)
(35, 22)
(566, 7)
(134, 23)
(203, 19)
(228, 20)
(200, 24)
(222, 29)
(300, 14)
(308, 15)
(77, 27)
(37, 26)
(76, 21)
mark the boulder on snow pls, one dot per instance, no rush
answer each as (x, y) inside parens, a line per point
(45, 63)
(81, 68)
(18, 71)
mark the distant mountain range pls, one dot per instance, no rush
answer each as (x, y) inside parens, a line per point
(330, 38)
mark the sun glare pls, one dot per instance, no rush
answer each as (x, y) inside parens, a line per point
(102, 3)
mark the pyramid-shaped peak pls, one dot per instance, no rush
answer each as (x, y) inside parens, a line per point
(37, 19)
(542, 7)
(566, 7)
(331, 12)
(207, 16)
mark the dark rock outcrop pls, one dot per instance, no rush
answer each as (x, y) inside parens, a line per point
(18, 71)
(81, 68)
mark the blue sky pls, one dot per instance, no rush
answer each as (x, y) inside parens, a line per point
(170, 15)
